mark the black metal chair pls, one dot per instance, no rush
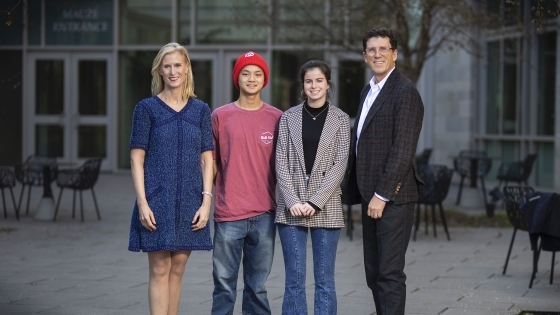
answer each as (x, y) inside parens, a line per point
(463, 166)
(514, 197)
(79, 179)
(31, 172)
(518, 171)
(8, 180)
(424, 156)
(543, 222)
(437, 179)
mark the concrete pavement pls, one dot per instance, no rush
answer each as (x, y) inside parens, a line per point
(68, 267)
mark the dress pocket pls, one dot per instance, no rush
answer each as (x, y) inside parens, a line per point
(157, 201)
(153, 193)
(190, 203)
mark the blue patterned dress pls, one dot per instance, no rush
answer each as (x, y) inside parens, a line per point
(173, 142)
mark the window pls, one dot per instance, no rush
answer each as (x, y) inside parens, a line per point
(502, 81)
(34, 20)
(135, 81)
(185, 22)
(351, 78)
(11, 111)
(286, 86)
(300, 24)
(11, 26)
(521, 101)
(546, 93)
(145, 22)
(493, 91)
(220, 21)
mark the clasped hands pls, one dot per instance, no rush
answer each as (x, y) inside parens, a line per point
(302, 210)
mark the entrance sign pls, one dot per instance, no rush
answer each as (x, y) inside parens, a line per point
(79, 22)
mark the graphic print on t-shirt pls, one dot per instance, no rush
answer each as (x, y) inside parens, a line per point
(267, 137)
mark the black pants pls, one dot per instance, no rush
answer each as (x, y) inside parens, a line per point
(385, 244)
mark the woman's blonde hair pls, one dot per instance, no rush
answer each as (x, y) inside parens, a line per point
(157, 80)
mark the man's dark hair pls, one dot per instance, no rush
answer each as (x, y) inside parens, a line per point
(381, 32)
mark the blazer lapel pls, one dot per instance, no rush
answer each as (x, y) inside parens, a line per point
(332, 124)
(381, 97)
(294, 124)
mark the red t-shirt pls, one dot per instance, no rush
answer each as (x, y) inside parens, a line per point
(244, 147)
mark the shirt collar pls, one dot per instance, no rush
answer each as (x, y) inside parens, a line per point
(379, 85)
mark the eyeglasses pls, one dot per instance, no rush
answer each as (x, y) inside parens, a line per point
(372, 51)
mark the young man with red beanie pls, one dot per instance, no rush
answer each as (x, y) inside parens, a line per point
(244, 140)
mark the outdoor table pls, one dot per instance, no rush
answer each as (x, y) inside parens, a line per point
(473, 159)
(45, 209)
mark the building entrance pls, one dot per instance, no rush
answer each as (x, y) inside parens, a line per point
(68, 108)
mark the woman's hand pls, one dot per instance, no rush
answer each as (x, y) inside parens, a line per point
(200, 218)
(297, 210)
(147, 217)
(309, 210)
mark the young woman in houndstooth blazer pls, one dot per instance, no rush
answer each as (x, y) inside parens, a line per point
(311, 156)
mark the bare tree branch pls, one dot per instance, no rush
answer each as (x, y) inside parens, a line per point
(10, 13)
(424, 27)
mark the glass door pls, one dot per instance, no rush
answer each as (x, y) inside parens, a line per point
(69, 107)
(204, 68)
(47, 106)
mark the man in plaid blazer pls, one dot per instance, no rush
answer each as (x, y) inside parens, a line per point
(381, 173)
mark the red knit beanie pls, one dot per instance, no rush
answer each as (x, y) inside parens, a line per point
(249, 58)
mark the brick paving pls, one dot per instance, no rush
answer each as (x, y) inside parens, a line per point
(68, 267)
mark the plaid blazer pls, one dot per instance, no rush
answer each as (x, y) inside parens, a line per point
(385, 160)
(323, 189)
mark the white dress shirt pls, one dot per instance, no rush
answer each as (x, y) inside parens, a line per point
(368, 102)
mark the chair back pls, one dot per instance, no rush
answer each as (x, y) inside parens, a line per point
(7, 177)
(514, 198)
(437, 179)
(89, 172)
(472, 153)
(517, 171)
(424, 156)
(528, 163)
(30, 172)
(462, 163)
(484, 166)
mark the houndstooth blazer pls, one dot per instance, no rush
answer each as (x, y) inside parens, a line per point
(323, 189)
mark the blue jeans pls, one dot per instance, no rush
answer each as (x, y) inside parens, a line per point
(294, 247)
(252, 238)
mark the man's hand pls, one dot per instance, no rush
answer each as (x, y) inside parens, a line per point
(375, 207)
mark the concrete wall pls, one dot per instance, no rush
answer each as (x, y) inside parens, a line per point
(447, 89)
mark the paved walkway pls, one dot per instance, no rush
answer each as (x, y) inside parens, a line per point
(68, 267)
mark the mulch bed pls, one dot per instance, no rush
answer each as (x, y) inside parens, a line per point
(457, 218)
(6, 229)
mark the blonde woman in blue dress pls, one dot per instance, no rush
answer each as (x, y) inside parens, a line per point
(172, 170)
